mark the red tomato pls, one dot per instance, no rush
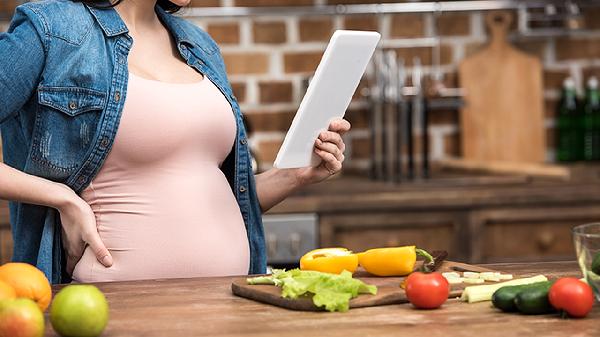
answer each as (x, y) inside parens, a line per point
(427, 291)
(571, 295)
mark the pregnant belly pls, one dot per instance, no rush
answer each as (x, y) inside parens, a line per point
(167, 235)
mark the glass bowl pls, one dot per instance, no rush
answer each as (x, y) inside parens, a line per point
(587, 246)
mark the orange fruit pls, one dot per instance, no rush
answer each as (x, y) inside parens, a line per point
(7, 292)
(28, 282)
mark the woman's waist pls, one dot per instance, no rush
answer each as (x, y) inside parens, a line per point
(168, 257)
(183, 244)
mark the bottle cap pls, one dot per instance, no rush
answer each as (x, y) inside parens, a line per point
(593, 82)
(569, 83)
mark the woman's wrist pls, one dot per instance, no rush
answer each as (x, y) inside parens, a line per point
(64, 197)
(297, 180)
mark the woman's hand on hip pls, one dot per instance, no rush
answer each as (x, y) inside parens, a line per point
(330, 147)
(79, 230)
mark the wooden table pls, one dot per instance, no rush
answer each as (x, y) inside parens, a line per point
(206, 307)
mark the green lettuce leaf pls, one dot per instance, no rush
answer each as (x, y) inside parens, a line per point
(330, 291)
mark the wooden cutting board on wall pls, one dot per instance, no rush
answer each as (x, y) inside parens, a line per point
(503, 118)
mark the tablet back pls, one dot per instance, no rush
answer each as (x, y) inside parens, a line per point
(328, 95)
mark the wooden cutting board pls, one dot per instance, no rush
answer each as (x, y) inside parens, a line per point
(388, 290)
(503, 118)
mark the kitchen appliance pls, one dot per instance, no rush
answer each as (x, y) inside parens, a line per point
(288, 237)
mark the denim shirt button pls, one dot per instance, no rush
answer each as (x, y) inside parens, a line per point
(117, 96)
(104, 142)
(242, 189)
(244, 141)
(72, 105)
(81, 180)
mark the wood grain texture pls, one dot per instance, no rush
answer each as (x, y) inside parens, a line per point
(507, 167)
(388, 291)
(206, 307)
(503, 119)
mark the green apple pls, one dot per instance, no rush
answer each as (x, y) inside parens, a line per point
(79, 311)
(21, 317)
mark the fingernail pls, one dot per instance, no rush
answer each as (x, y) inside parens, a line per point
(320, 142)
(107, 261)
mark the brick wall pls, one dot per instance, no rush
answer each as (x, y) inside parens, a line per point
(270, 58)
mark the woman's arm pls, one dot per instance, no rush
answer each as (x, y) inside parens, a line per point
(22, 59)
(274, 185)
(77, 218)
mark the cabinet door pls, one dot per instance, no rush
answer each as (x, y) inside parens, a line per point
(6, 243)
(534, 234)
(361, 231)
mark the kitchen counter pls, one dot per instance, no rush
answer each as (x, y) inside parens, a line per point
(206, 307)
(470, 216)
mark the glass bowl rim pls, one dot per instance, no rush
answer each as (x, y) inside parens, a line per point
(578, 230)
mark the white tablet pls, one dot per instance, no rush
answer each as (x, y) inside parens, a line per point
(328, 95)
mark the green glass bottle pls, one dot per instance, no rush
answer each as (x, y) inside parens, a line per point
(568, 125)
(591, 121)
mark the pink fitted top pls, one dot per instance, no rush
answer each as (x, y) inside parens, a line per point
(163, 207)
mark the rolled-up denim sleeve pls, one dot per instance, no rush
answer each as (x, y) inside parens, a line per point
(22, 59)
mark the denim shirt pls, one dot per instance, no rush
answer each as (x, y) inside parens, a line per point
(63, 83)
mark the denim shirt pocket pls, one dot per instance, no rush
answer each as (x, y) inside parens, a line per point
(66, 123)
(72, 100)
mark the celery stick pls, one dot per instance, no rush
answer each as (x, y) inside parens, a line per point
(481, 293)
(452, 274)
(486, 275)
(455, 280)
(470, 274)
(473, 280)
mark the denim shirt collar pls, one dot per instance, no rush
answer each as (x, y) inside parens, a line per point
(109, 20)
(112, 25)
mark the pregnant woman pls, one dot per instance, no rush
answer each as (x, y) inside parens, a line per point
(125, 152)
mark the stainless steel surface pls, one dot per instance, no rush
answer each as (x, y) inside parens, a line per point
(411, 7)
(290, 236)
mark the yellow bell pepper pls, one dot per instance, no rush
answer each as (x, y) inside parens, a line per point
(395, 261)
(329, 260)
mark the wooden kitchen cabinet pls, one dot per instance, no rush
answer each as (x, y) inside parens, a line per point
(481, 222)
(6, 243)
(362, 231)
(475, 236)
(531, 234)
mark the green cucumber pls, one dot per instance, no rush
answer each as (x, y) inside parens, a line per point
(596, 264)
(534, 300)
(504, 298)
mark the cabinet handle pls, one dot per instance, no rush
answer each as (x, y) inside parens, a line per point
(392, 242)
(295, 241)
(545, 240)
(271, 245)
